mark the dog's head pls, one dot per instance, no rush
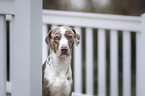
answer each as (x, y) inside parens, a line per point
(62, 39)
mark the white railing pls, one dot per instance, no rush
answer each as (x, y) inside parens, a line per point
(102, 22)
(89, 21)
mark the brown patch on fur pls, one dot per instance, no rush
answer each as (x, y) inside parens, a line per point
(43, 69)
(54, 42)
(48, 37)
(45, 88)
(71, 40)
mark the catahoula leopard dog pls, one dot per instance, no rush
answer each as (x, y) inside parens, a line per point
(57, 74)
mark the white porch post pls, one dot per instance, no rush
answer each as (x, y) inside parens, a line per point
(2, 56)
(26, 48)
(141, 60)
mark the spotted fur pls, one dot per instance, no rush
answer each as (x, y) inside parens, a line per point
(56, 73)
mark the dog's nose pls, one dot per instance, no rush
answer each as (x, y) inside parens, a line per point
(64, 49)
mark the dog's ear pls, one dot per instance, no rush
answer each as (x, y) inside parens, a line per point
(48, 38)
(77, 38)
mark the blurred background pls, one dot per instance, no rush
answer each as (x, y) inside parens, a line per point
(123, 7)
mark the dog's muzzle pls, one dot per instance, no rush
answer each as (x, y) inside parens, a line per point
(64, 50)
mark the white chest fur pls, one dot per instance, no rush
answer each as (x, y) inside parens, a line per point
(58, 73)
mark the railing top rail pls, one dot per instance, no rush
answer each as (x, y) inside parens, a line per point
(7, 7)
(92, 15)
(92, 20)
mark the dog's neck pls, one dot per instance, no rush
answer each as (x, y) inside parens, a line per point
(61, 64)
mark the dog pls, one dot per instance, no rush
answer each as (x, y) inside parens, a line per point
(56, 72)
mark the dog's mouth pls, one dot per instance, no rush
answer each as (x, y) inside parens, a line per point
(64, 53)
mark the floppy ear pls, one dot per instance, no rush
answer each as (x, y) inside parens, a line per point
(77, 38)
(48, 38)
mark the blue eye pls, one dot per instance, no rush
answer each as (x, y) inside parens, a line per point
(56, 37)
(69, 37)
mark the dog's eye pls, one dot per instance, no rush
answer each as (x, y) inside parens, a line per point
(56, 37)
(69, 37)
